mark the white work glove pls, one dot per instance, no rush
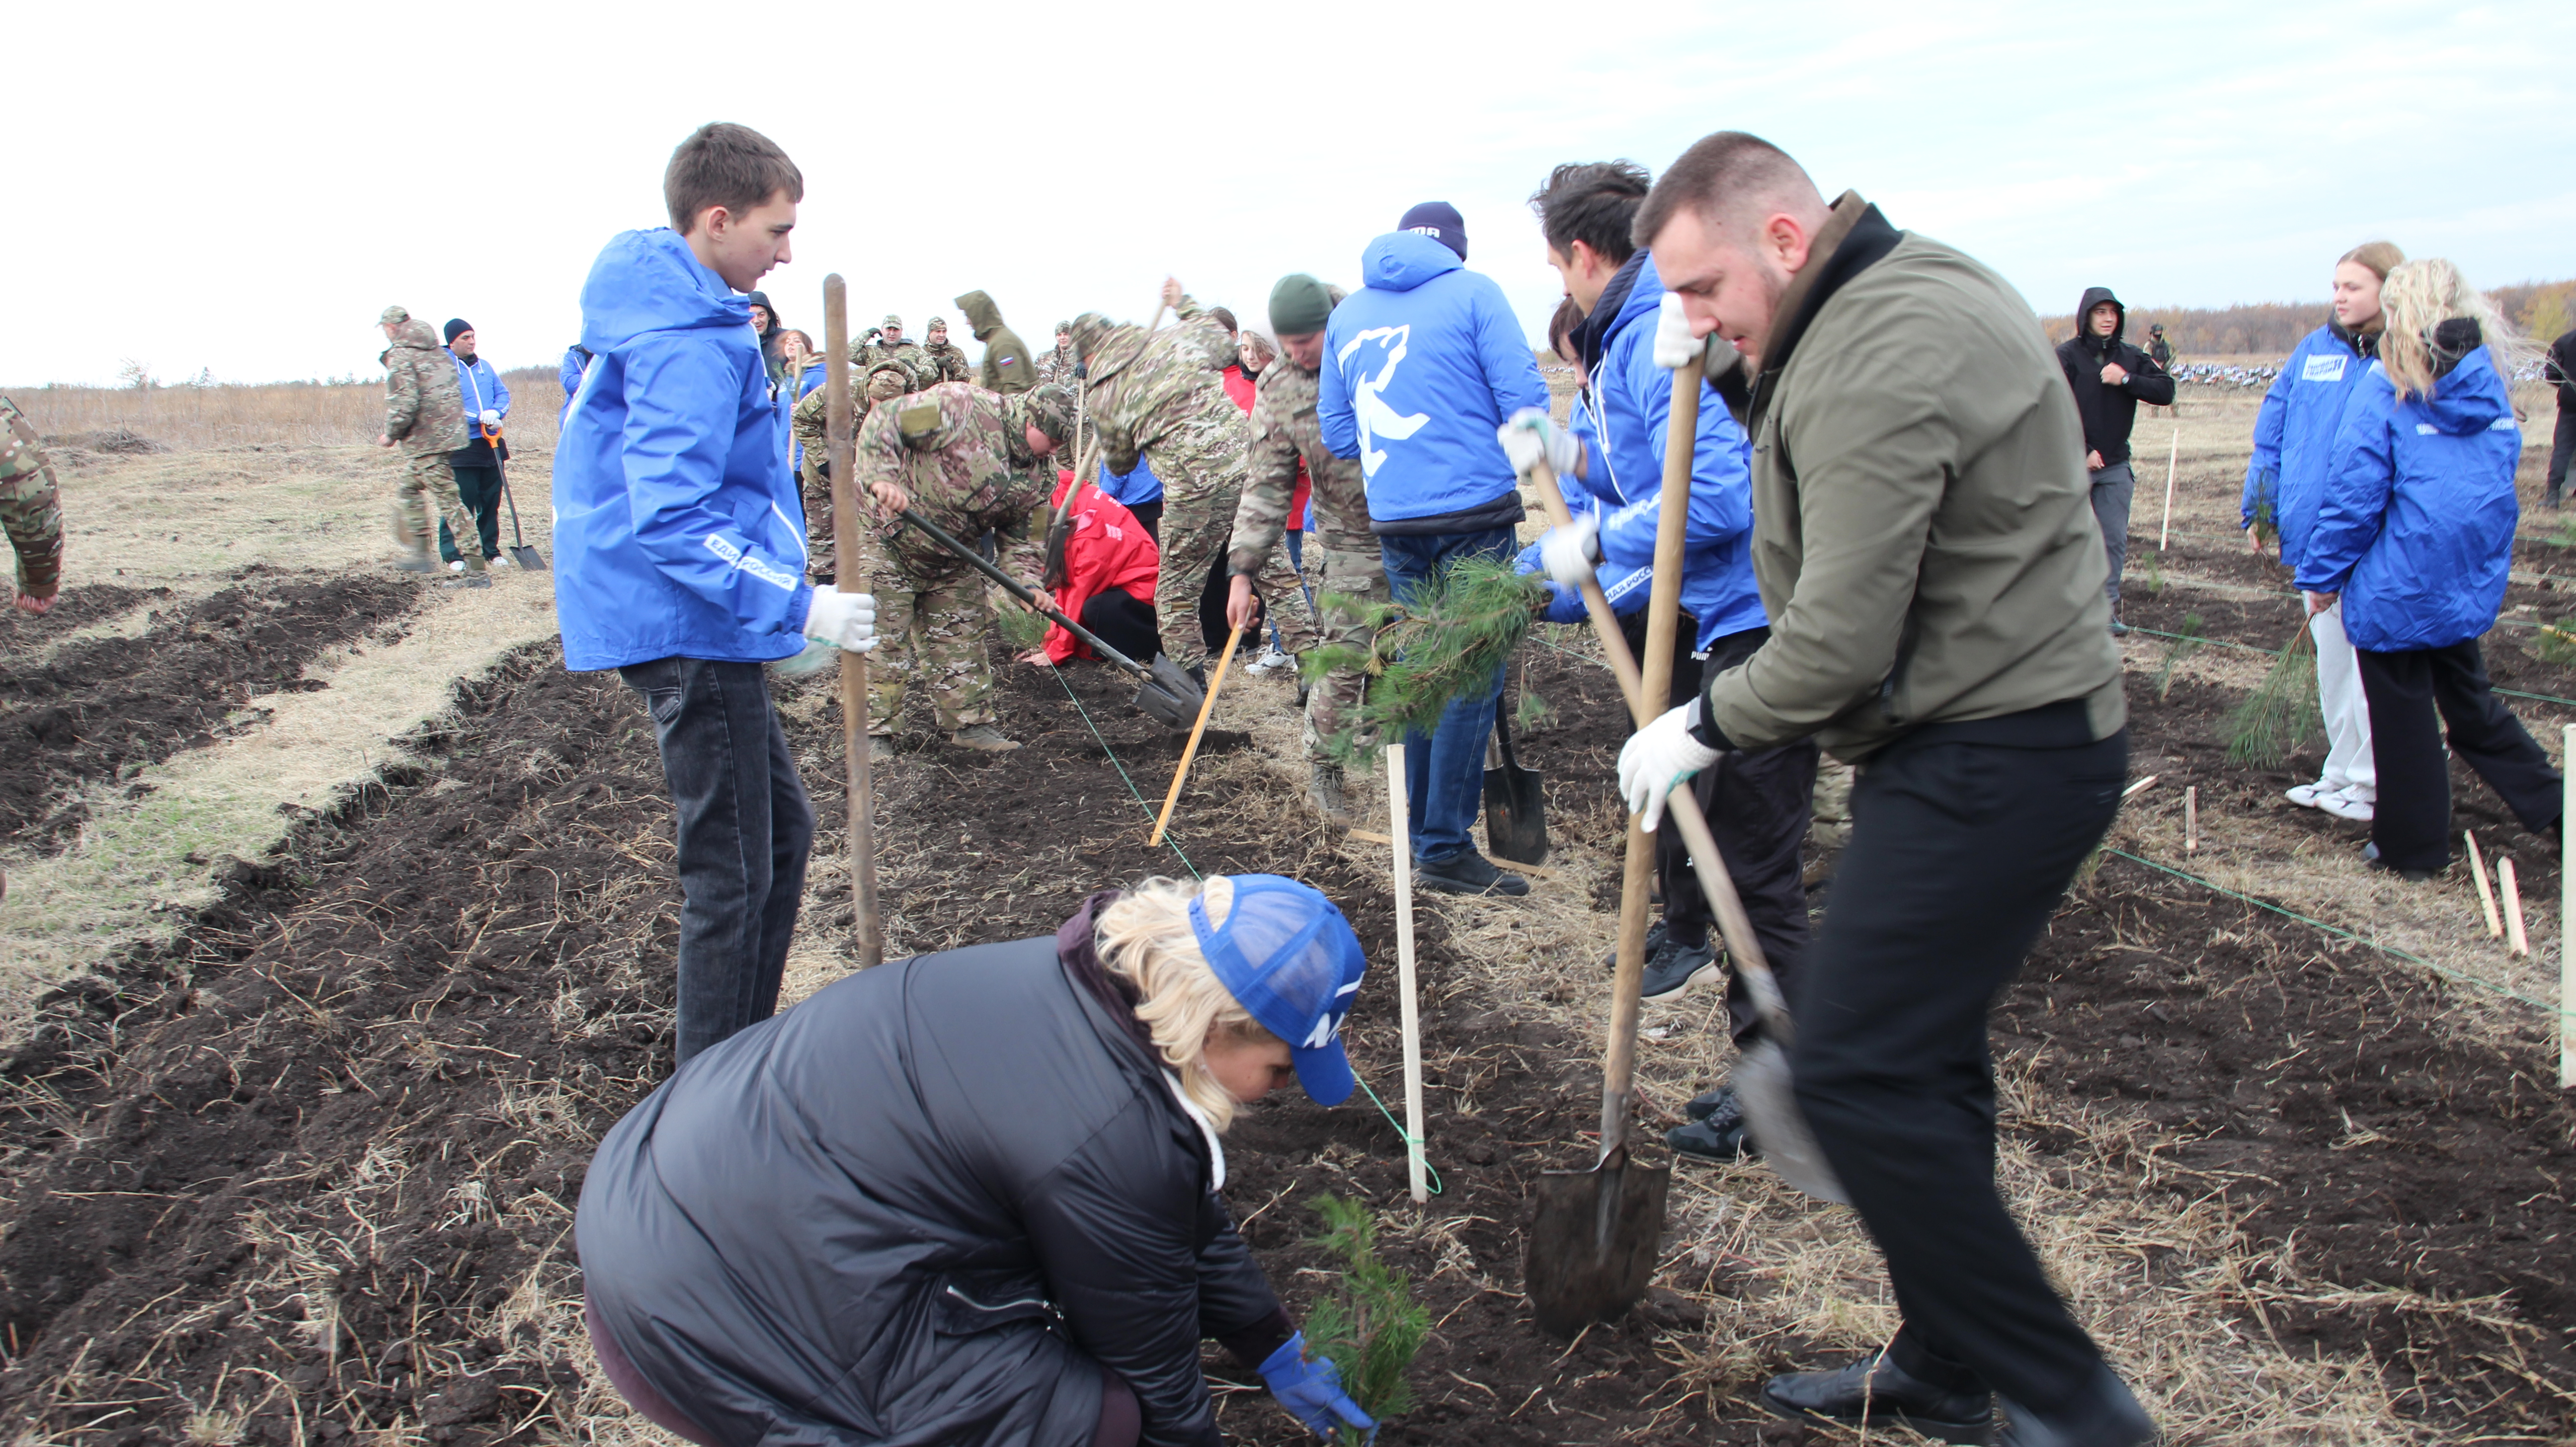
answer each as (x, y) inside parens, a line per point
(1532, 437)
(1674, 344)
(847, 621)
(491, 418)
(1657, 758)
(1572, 552)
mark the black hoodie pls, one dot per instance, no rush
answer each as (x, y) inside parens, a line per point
(2109, 412)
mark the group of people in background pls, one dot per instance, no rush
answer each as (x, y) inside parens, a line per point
(445, 407)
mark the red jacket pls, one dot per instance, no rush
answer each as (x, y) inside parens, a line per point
(1240, 388)
(1107, 549)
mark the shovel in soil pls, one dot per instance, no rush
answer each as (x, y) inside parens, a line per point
(1515, 803)
(528, 558)
(1166, 692)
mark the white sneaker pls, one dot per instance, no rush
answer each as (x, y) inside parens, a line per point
(2342, 804)
(1271, 659)
(457, 567)
(502, 561)
(2306, 795)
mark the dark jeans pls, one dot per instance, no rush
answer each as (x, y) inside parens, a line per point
(1758, 804)
(1123, 621)
(2562, 449)
(1444, 774)
(1960, 850)
(744, 832)
(2411, 822)
(480, 487)
(1150, 516)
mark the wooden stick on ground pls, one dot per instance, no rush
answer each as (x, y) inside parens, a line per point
(2171, 457)
(2486, 892)
(848, 576)
(2514, 939)
(1400, 822)
(2191, 819)
(1189, 751)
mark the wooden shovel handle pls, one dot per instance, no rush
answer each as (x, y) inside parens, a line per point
(1190, 750)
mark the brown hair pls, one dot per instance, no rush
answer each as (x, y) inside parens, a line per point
(1562, 325)
(1593, 202)
(723, 164)
(1723, 176)
(2382, 257)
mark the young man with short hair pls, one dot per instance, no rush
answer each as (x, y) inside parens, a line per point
(681, 552)
(478, 463)
(1926, 550)
(2109, 378)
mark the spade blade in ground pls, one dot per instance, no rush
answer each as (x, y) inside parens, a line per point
(1170, 695)
(1593, 1242)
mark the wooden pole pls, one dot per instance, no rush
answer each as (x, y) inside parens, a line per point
(2486, 891)
(2172, 455)
(2191, 819)
(1400, 824)
(2514, 939)
(849, 576)
(2566, 912)
(1207, 705)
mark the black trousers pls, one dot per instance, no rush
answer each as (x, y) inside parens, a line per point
(1961, 848)
(1124, 622)
(2411, 823)
(2562, 449)
(1149, 515)
(1673, 880)
(480, 487)
(744, 832)
(1758, 803)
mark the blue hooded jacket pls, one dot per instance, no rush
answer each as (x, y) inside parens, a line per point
(1421, 366)
(575, 362)
(483, 389)
(1132, 489)
(2415, 525)
(1621, 420)
(1626, 588)
(2294, 434)
(678, 529)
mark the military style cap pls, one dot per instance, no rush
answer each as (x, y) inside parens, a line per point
(891, 320)
(392, 316)
(1299, 304)
(1063, 328)
(1049, 409)
(940, 323)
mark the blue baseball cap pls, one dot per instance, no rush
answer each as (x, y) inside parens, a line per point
(1286, 955)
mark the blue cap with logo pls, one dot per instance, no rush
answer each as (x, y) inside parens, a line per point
(1288, 956)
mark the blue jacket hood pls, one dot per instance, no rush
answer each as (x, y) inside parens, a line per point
(649, 281)
(2467, 398)
(1403, 260)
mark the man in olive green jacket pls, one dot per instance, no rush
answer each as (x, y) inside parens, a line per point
(1925, 546)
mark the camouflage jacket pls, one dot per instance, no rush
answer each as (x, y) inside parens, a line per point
(1008, 367)
(809, 423)
(1057, 367)
(31, 510)
(424, 408)
(1143, 387)
(956, 449)
(951, 361)
(924, 371)
(1285, 432)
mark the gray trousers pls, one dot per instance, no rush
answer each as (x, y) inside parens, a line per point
(2113, 487)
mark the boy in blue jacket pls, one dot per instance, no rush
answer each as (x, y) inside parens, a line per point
(1421, 365)
(680, 556)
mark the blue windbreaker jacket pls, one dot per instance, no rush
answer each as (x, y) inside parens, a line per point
(1626, 588)
(482, 388)
(1421, 366)
(2415, 526)
(2294, 435)
(1621, 420)
(1132, 488)
(678, 529)
(574, 364)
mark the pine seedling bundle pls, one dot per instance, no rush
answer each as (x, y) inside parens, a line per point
(2281, 713)
(1371, 1326)
(1445, 647)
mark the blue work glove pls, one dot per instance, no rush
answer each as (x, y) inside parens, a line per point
(1311, 1389)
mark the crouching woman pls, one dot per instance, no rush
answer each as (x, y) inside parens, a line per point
(2415, 534)
(971, 1197)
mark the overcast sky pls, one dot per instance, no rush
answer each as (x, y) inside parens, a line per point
(242, 188)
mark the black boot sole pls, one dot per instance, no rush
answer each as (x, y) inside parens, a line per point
(1969, 1434)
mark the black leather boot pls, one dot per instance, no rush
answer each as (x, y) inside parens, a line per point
(1880, 1391)
(2106, 1415)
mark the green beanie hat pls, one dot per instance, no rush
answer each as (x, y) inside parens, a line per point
(1299, 305)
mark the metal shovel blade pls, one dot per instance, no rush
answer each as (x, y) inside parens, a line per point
(1594, 1241)
(1170, 695)
(1515, 806)
(1772, 1118)
(527, 557)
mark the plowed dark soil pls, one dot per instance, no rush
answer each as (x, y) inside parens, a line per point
(102, 705)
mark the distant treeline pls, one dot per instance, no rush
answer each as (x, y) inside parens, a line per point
(2543, 309)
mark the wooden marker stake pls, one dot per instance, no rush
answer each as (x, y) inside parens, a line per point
(1400, 824)
(2191, 819)
(2171, 457)
(2514, 939)
(2486, 891)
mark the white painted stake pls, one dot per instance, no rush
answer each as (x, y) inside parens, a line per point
(2566, 912)
(1398, 809)
(2171, 457)
(2191, 819)
(2514, 938)
(2486, 892)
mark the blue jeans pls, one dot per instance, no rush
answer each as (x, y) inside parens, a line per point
(1444, 775)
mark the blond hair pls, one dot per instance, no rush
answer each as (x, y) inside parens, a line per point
(2418, 297)
(2380, 257)
(1145, 935)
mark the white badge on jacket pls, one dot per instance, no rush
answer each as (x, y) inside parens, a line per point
(2324, 367)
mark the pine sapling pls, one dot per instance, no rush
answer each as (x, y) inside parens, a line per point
(2178, 648)
(1372, 1326)
(2556, 642)
(2281, 713)
(1443, 647)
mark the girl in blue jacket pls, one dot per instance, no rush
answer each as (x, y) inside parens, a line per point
(2414, 536)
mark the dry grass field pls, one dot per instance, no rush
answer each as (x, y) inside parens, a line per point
(340, 918)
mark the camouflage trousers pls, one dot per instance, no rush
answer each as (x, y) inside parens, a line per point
(31, 513)
(932, 631)
(819, 554)
(1200, 490)
(429, 482)
(1350, 567)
